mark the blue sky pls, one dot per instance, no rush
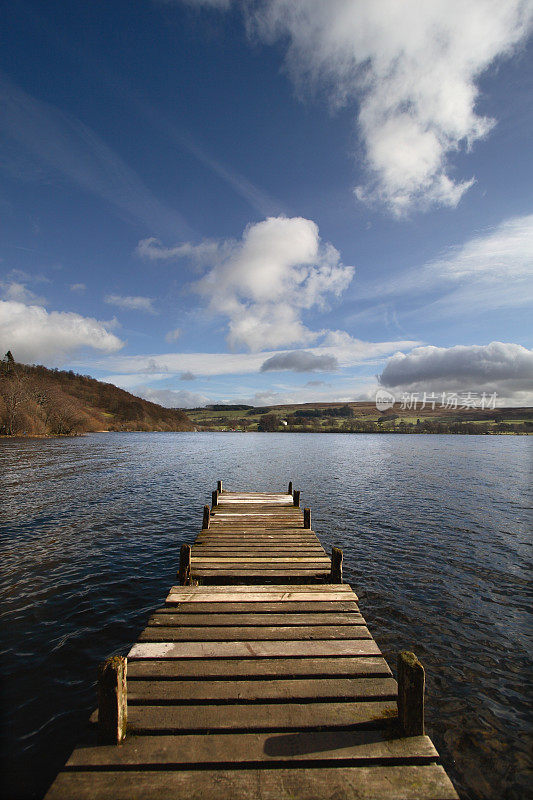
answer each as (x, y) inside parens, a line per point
(271, 201)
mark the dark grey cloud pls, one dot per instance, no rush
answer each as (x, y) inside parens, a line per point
(300, 361)
(187, 376)
(500, 367)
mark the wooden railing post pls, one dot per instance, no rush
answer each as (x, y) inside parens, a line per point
(296, 498)
(411, 685)
(307, 517)
(219, 487)
(214, 499)
(184, 573)
(290, 488)
(112, 700)
(207, 518)
(336, 565)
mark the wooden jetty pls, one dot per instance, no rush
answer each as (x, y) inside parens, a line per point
(257, 680)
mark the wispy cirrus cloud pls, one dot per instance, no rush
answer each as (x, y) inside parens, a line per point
(131, 303)
(489, 271)
(56, 143)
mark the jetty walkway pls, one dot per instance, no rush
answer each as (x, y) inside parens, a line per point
(257, 680)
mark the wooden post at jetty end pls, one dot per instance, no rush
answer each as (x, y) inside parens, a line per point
(290, 488)
(296, 498)
(411, 686)
(257, 679)
(184, 574)
(214, 499)
(112, 700)
(206, 519)
(336, 565)
(219, 487)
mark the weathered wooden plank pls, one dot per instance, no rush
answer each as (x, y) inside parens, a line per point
(260, 716)
(343, 589)
(199, 669)
(253, 632)
(249, 748)
(254, 649)
(298, 607)
(231, 596)
(250, 691)
(427, 782)
(237, 560)
(240, 620)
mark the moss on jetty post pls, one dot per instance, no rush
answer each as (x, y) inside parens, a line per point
(112, 700)
(411, 686)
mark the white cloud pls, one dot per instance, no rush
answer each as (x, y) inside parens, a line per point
(153, 250)
(412, 67)
(35, 335)
(172, 398)
(263, 283)
(19, 293)
(130, 303)
(173, 335)
(348, 352)
(77, 287)
(499, 367)
(300, 361)
(490, 271)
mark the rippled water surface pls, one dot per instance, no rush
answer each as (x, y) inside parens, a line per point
(435, 531)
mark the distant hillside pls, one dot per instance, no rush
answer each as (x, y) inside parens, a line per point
(35, 400)
(361, 417)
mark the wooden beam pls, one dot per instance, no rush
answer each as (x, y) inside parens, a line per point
(184, 573)
(336, 565)
(214, 499)
(307, 517)
(112, 700)
(219, 486)
(296, 498)
(290, 488)
(207, 518)
(411, 684)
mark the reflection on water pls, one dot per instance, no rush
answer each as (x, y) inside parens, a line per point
(435, 538)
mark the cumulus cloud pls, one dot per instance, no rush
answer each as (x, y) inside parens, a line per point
(412, 69)
(172, 398)
(499, 367)
(19, 293)
(130, 303)
(300, 361)
(264, 282)
(35, 335)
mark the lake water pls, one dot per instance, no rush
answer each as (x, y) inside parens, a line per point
(435, 532)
